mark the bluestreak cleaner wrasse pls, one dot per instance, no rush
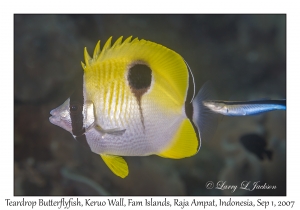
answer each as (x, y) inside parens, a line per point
(244, 108)
(133, 101)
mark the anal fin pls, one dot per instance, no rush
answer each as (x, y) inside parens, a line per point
(184, 144)
(116, 164)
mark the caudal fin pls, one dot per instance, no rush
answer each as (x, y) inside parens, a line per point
(205, 120)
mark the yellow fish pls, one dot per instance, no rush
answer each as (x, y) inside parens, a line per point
(132, 102)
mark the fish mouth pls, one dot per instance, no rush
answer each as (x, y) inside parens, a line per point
(52, 118)
(52, 112)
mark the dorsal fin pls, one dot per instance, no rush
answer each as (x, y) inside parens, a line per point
(87, 57)
(118, 42)
(96, 51)
(107, 46)
(168, 67)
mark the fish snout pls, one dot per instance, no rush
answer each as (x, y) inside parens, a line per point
(54, 117)
(52, 112)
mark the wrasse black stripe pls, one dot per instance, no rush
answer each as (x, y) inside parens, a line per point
(76, 108)
(277, 102)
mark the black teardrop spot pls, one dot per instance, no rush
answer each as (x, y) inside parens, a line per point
(139, 76)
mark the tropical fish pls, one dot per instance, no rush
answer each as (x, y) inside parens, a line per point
(257, 145)
(244, 108)
(133, 102)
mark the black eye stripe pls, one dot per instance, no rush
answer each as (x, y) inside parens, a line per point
(76, 107)
(73, 108)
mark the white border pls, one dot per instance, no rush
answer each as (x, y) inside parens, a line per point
(152, 6)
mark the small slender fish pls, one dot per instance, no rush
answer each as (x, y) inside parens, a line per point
(244, 108)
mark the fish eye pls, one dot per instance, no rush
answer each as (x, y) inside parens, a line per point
(73, 108)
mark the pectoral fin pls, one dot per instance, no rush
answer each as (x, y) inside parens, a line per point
(116, 164)
(113, 131)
